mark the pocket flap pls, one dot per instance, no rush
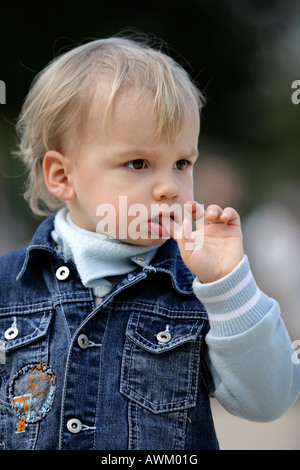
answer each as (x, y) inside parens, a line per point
(19, 330)
(158, 334)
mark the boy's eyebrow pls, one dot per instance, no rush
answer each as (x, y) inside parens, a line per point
(143, 153)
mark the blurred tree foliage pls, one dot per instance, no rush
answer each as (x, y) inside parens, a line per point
(243, 54)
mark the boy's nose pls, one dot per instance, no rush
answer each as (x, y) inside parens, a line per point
(166, 188)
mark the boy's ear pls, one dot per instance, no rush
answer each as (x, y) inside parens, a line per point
(57, 177)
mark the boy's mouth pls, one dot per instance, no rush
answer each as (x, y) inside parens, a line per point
(156, 225)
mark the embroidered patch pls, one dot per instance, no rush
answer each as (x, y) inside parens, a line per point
(32, 393)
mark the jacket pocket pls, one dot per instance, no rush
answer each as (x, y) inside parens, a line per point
(24, 343)
(161, 361)
(23, 339)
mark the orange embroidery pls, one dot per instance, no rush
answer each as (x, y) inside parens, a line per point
(22, 404)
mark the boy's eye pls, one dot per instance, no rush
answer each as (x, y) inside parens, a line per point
(181, 164)
(136, 164)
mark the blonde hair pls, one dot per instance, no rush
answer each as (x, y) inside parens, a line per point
(63, 92)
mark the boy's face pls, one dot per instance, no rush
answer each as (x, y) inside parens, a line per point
(122, 175)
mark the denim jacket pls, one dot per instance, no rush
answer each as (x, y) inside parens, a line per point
(128, 373)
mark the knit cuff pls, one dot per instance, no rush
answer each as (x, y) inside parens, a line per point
(234, 303)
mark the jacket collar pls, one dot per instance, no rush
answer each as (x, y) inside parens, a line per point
(41, 240)
(167, 259)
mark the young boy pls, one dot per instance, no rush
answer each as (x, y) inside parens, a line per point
(118, 320)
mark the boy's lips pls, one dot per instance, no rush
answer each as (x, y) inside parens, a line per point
(156, 224)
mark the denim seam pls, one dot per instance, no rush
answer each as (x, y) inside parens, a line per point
(180, 433)
(133, 425)
(160, 310)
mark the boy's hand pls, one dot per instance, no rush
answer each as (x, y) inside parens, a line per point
(215, 247)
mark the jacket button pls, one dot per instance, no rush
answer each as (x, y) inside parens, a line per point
(11, 333)
(74, 425)
(62, 273)
(83, 341)
(163, 337)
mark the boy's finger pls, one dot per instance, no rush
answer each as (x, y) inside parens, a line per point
(213, 212)
(230, 216)
(183, 232)
(196, 211)
(216, 214)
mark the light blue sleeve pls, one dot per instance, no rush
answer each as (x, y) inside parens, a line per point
(254, 366)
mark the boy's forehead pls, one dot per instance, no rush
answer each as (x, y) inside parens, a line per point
(128, 111)
(105, 114)
(104, 99)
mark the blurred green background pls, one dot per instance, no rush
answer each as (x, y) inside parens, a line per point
(244, 55)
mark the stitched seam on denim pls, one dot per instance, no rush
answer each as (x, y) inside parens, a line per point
(145, 344)
(26, 308)
(180, 430)
(135, 305)
(160, 408)
(72, 297)
(99, 375)
(134, 430)
(65, 321)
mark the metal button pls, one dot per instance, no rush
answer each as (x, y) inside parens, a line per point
(83, 341)
(74, 425)
(163, 337)
(11, 333)
(62, 273)
(139, 259)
